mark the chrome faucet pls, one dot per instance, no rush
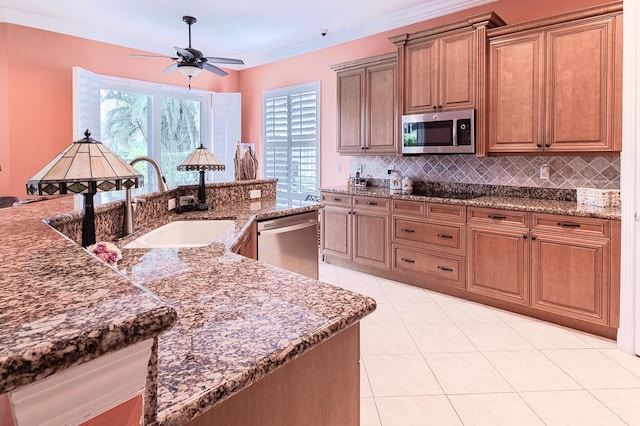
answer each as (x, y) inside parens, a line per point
(130, 205)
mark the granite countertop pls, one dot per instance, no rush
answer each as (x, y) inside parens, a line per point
(61, 306)
(226, 320)
(238, 319)
(536, 205)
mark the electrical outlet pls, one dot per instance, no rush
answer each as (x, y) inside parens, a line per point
(544, 171)
(171, 204)
(255, 193)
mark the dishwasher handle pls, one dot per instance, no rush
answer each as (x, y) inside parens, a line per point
(289, 228)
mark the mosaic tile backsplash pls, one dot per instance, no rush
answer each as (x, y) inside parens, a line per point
(566, 172)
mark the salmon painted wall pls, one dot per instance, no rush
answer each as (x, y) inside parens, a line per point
(315, 66)
(38, 83)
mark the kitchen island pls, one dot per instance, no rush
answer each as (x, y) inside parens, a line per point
(237, 321)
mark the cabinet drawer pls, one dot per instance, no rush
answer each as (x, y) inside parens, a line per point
(438, 236)
(334, 199)
(446, 212)
(511, 218)
(448, 270)
(571, 225)
(370, 203)
(408, 208)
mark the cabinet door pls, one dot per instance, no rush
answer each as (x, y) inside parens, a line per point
(580, 87)
(516, 106)
(381, 107)
(456, 73)
(570, 277)
(335, 232)
(499, 263)
(420, 77)
(371, 238)
(351, 111)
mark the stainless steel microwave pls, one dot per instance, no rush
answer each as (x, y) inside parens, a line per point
(450, 132)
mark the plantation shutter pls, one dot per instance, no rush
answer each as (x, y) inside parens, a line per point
(86, 103)
(292, 141)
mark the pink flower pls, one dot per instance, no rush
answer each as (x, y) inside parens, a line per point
(100, 248)
(113, 256)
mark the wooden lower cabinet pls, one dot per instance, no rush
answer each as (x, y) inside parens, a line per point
(247, 245)
(335, 232)
(371, 238)
(499, 263)
(356, 229)
(570, 276)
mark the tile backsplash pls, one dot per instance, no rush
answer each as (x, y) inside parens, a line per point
(566, 172)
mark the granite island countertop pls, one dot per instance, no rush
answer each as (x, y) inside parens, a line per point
(536, 205)
(61, 306)
(237, 319)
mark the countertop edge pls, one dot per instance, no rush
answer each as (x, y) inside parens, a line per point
(534, 205)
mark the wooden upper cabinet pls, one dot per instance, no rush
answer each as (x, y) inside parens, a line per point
(350, 110)
(439, 74)
(580, 85)
(381, 108)
(367, 106)
(516, 103)
(555, 84)
(457, 71)
(420, 76)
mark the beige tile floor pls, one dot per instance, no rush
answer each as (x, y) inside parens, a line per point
(432, 359)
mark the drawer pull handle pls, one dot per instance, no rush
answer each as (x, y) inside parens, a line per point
(444, 268)
(404, 259)
(569, 224)
(497, 217)
(445, 236)
(337, 199)
(372, 203)
(407, 230)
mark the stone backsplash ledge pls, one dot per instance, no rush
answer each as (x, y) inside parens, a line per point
(566, 172)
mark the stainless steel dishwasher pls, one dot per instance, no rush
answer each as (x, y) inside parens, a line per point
(290, 242)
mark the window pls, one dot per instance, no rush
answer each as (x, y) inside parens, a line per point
(136, 118)
(292, 141)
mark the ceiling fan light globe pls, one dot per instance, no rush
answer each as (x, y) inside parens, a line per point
(189, 70)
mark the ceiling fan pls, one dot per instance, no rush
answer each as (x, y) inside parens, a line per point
(190, 61)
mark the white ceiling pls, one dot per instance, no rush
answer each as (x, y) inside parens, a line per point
(257, 32)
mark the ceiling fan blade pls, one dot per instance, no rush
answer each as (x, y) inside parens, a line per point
(214, 69)
(133, 55)
(184, 53)
(170, 68)
(220, 60)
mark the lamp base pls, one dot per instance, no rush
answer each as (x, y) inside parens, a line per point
(201, 207)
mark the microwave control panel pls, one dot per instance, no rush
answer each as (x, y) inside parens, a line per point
(464, 131)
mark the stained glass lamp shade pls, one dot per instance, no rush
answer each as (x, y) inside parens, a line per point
(201, 160)
(86, 167)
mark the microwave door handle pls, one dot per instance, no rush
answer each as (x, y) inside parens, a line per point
(455, 132)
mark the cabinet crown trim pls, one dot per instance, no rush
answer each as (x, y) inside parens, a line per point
(365, 61)
(596, 11)
(490, 20)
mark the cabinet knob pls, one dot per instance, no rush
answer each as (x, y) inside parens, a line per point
(547, 145)
(372, 203)
(445, 236)
(363, 148)
(407, 230)
(539, 145)
(444, 268)
(337, 199)
(533, 238)
(404, 259)
(524, 237)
